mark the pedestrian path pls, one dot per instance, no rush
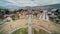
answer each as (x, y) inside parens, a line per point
(12, 26)
(8, 27)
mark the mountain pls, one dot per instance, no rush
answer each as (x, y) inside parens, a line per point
(55, 6)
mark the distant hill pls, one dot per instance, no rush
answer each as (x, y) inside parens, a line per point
(55, 6)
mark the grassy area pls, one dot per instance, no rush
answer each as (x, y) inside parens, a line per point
(43, 32)
(1, 31)
(21, 31)
(40, 32)
(25, 31)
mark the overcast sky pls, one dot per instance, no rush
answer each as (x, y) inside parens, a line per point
(22, 3)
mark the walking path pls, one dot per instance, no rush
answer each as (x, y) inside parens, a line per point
(12, 26)
(43, 28)
(17, 29)
(48, 25)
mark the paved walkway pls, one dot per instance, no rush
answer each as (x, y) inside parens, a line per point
(43, 28)
(48, 25)
(10, 26)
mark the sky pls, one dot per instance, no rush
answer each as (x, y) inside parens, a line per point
(23, 3)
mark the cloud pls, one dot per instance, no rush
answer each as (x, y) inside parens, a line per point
(22, 3)
(46, 2)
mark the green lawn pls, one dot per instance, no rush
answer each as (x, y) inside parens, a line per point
(21, 31)
(1, 31)
(25, 31)
(40, 32)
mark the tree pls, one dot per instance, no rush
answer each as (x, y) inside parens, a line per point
(7, 11)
